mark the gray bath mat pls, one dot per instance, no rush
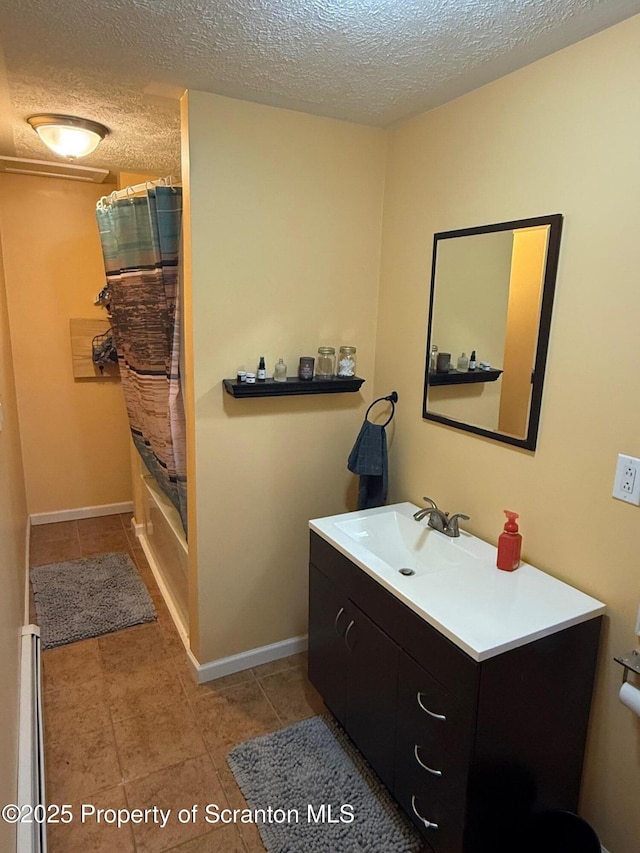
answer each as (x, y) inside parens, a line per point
(305, 766)
(89, 597)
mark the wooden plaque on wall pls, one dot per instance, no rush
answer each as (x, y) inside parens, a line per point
(82, 334)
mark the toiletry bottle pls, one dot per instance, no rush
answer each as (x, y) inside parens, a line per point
(472, 361)
(434, 359)
(509, 544)
(280, 371)
(305, 368)
(262, 370)
(463, 363)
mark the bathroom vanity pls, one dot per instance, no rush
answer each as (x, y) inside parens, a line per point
(467, 689)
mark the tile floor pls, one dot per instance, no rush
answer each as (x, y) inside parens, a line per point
(126, 725)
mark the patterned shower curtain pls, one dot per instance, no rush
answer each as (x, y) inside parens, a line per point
(140, 244)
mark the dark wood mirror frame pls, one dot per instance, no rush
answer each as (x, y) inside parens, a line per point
(554, 222)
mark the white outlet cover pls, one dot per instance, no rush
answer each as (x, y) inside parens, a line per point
(626, 485)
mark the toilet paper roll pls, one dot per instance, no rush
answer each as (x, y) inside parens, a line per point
(630, 696)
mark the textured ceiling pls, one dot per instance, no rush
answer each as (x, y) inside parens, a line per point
(125, 62)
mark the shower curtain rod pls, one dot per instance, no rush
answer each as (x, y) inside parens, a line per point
(127, 192)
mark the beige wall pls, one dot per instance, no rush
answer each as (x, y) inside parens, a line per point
(558, 136)
(74, 432)
(130, 179)
(13, 521)
(285, 217)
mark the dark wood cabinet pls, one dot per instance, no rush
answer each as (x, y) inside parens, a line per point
(327, 624)
(371, 692)
(471, 750)
(354, 666)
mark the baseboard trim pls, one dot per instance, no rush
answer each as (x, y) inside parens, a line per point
(245, 660)
(80, 512)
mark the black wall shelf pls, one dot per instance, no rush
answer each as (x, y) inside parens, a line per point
(453, 377)
(293, 386)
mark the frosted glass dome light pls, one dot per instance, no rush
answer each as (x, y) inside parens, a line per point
(68, 136)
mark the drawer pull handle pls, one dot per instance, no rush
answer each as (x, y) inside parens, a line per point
(335, 624)
(423, 765)
(428, 823)
(427, 711)
(346, 635)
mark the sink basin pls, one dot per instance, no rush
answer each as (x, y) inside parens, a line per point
(453, 583)
(403, 543)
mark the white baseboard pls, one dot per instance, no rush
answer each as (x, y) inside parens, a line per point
(245, 660)
(80, 512)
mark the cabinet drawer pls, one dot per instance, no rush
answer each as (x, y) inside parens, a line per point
(448, 833)
(441, 722)
(434, 773)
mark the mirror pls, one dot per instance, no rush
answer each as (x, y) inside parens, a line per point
(491, 297)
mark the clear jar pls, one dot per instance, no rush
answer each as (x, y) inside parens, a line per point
(346, 362)
(326, 363)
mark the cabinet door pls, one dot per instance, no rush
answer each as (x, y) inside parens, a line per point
(328, 655)
(372, 692)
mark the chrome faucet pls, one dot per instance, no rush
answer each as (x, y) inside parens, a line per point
(440, 520)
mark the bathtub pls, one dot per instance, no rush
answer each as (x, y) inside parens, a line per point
(162, 538)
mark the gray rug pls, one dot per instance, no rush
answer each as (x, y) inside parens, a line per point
(310, 764)
(89, 597)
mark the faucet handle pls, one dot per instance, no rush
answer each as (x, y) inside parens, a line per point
(432, 502)
(452, 524)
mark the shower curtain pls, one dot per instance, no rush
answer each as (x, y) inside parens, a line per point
(140, 244)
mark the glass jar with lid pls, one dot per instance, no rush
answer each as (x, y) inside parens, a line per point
(347, 361)
(326, 363)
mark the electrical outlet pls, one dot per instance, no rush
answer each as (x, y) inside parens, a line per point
(626, 486)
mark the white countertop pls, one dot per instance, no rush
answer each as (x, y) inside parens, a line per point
(481, 609)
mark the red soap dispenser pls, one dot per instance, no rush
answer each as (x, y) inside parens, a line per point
(509, 544)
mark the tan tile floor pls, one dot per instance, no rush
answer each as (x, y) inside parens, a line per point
(127, 726)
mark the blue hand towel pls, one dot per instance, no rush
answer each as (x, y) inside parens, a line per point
(368, 458)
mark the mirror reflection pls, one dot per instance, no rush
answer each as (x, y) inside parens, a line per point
(491, 296)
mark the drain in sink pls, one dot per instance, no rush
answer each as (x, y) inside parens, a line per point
(406, 572)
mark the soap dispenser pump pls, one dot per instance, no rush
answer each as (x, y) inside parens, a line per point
(509, 544)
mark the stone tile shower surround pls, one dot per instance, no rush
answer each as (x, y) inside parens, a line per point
(127, 726)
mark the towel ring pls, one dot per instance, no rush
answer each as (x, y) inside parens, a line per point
(391, 398)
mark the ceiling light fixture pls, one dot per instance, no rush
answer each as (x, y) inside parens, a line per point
(68, 136)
